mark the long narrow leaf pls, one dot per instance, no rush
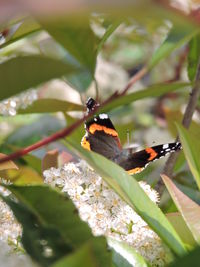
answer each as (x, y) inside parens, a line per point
(188, 208)
(191, 148)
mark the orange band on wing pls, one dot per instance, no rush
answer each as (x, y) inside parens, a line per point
(152, 153)
(135, 170)
(85, 144)
(96, 127)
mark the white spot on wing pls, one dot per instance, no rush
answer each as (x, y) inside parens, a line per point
(103, 116)
(165, 146)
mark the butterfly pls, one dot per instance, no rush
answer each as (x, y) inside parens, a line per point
(102, 137)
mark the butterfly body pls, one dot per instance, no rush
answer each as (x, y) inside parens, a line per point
(102, 137)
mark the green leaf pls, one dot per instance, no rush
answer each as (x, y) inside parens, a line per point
(181, 228)
(111, 28)
(175, 40)
(46, 105)
(152, 91)
(125, 255)
(78, 39)
(130, 191)
(90, 254)
(29, 71)
(62, 215)
(187, 207)
(193, 57)
(42, 242)
(191, 259)
(191, 148)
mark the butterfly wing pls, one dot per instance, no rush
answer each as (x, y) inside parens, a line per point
(136, 162)
(102, 137)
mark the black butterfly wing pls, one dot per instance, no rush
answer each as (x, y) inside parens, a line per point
(102, 137)
(136, 162)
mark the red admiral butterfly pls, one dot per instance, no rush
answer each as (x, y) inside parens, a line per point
(101, 137)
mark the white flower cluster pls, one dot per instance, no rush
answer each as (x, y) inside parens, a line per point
(10, 106)
(10, 229)
(105, 212)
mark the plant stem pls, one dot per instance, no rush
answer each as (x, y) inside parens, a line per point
(187, 118)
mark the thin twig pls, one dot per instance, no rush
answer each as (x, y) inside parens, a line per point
(187, 118)
(66, 131)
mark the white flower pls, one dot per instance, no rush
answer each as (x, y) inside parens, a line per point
(105, 212)
(10, 229)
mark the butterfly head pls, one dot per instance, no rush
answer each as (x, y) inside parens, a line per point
(91, 104)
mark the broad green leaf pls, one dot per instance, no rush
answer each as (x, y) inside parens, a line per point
(29, 71)
(187, 207)
(77, 39)
(50, 160)
(152, 91)
(191, 148)
(181, 228)
(46, 105)
(90, 254)
(174, 40)
(43, 242)
(62, 215)
(130, 191)
(193, 57)
(8, 164)
(191, 259)
(125, 255)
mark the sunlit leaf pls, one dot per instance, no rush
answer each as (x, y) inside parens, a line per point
(181, 228)
(191, 148)
(130, 191)
(29, 71)
(125, 255)
(187, 207)
(8, 164)
(24, 176)
(193, 57)
(46, 105)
